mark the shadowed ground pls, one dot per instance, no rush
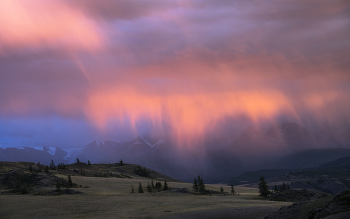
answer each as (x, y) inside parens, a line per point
(111, 198)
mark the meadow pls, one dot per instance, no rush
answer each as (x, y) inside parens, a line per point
(112, 198)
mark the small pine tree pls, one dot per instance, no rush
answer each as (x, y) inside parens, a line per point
(275, 188)
(70, 182)
(149, 188)
(201, 186)
(63, 182)
(46, 169)
(78, 160)
(152, 184)
(232, 189)
(263, 188)
(283, 187)
(52, 165)
(39, 170)
(221, 189)
(165, 187)
(140, 188)
(58, 186)
(159, 186)
(195, 185)
(89, 163)
(121, 163)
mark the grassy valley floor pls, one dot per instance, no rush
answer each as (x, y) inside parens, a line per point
(112, 198)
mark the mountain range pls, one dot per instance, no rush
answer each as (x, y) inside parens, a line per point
(287, 146)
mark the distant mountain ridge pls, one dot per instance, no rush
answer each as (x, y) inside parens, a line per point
(288, 146)
(43, 154)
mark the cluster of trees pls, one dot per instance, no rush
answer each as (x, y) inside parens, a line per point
(31, 168)
(141, 171)
(264, 190)
(107, 174)
(232, 190)
(61, 166)
(283, 187)
(198, 185)
(23, 184)
(65, 183)
(152, 187)
(78, 162)
(82, 172)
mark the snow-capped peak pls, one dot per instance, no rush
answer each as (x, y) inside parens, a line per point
(6, 145)
(99, 142)
(160, 141)
(52, 150)
(147, 142)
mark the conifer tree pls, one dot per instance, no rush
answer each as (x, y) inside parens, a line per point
(195, 185)
(52, 165)
(70, 182)
(232, 189)
(159, 186)
(63, 181)
(89, 163)
(58, 186)
(149, 188)
(221, 189)
(152, 184)
(263, 188)
(165, 187)
(121, 163)
(46, 169)
(283, 187)
(140, 188)
(275, 188)
(78, 160)
(201, 186)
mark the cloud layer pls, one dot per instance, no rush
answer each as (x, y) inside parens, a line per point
(181, 67)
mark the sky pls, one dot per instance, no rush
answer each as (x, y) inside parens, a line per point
(76, 70)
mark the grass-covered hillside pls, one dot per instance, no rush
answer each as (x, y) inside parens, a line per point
(105, 191)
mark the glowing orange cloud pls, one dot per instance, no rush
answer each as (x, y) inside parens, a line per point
(189, 114)
(43, 23)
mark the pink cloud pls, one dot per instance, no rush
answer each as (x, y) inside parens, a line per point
(32, 24)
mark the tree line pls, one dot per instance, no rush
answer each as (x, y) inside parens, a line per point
(153, 187)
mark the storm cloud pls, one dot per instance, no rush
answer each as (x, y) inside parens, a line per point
(181, 68)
